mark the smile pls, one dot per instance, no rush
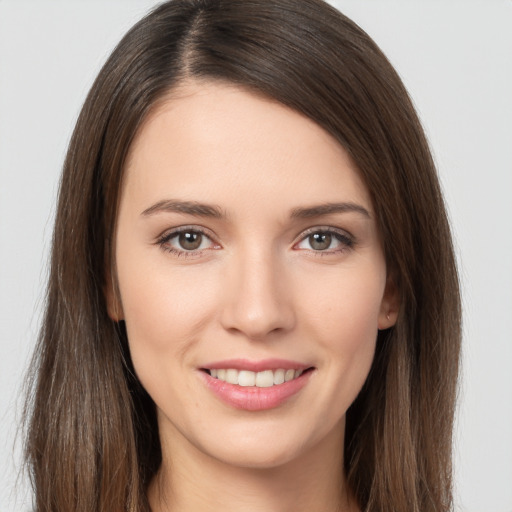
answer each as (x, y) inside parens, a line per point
(263, 379)
(255, 386)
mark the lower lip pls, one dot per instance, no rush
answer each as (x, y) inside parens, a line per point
(252, 398)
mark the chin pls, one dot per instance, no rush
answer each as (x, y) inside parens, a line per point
(254, 457)
(267, 446)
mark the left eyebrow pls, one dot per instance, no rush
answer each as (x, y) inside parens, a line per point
(327, 209)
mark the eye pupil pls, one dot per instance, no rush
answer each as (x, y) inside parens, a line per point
(320, 241)
(190, 240)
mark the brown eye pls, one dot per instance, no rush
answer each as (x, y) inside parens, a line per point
(328, 241)
(187, 242)
(190, 240)
(320, 241)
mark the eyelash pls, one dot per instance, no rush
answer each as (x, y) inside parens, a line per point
(347, 241)
(163, 241)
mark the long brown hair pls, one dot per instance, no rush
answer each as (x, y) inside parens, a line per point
(92, 439)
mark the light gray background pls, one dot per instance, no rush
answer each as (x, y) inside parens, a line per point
(455, 57)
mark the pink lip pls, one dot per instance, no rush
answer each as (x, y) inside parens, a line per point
(252, 398)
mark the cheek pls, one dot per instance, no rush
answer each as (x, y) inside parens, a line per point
(165, 314)
(164, 311)
(345, 305)
(343, 317)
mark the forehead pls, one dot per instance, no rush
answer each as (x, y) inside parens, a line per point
(219, 142)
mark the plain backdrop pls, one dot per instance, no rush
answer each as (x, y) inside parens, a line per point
(455, 57)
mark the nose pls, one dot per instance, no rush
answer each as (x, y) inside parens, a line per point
(258, 299)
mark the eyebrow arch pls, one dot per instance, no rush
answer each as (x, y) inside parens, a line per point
(187, 207)
(328, 208)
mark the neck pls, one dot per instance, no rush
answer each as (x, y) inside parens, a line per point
(190, 480)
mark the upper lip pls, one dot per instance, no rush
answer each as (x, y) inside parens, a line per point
(256, 366)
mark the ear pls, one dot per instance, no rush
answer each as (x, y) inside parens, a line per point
(390, 305)
(113, 298)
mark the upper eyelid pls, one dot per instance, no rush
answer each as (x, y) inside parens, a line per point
(323, 229)
(170, 232)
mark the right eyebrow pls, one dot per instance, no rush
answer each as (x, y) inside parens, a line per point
(187, 207)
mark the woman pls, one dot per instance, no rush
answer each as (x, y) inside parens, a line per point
(253, 300)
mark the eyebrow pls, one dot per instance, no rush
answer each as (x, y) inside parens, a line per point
(327, 209)
(213, 211)
(187, 207)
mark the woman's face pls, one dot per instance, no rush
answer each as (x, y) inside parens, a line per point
(252, 279)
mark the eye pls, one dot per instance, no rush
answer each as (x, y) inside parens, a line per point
(325, 240)
(189, 240)
(186, 241)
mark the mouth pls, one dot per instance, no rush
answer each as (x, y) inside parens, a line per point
(256, 385)
(262, 379)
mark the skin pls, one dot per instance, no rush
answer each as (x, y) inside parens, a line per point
(255, 289)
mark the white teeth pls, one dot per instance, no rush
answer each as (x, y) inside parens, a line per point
(246, 378)
(289, 375)
(278, 376)
(264, 379)
(232, 376)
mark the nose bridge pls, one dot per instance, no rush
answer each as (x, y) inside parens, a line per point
(258, 299)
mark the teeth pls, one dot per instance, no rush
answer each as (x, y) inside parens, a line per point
(232, 376)
(289, 375)
(246, 378)
(278, 376)
(264, 379)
